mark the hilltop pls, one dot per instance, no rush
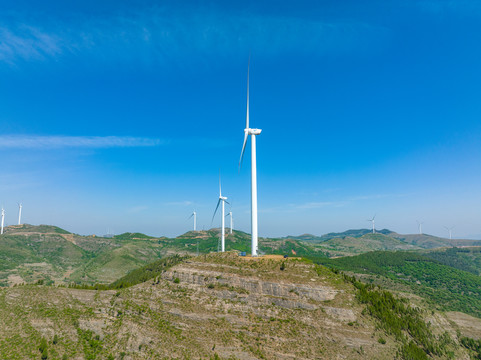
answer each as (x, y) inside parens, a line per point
(31, 253)
(222, 306)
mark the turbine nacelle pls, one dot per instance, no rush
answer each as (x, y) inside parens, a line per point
(252, 131)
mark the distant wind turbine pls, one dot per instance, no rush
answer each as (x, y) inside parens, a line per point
(253, 132)
(450, 229)
(3, 220)
(19, 213)
(194, 215)
(223, 200)
(420, 227)
(372, 221)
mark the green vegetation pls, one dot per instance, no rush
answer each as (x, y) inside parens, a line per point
(445, 287)
(133, 236)
(31, 253)
(354, 233)
(473, 345)
(400, 319)
(137, 276)
(426, 241)
(348, 245)
(467, 259)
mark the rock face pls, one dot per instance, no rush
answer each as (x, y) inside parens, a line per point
(254, 289)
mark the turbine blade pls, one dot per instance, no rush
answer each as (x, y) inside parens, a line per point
(218, 203)
(243, 150)
(247, 117)
(190, 216)
(227, 202)
(247, 114)
(220, 188)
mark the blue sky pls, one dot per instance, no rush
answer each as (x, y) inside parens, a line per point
(120, 114)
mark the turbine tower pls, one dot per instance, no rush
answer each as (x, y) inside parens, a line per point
(223, 200)
(194, 215)
(3, 220)
(253, 133)
(372, 220)
(19, 213)
(231, 221)
(450, 229)
(420, 226)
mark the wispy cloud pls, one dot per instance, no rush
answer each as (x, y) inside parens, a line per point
(27, 43)
(162, 33)
(54, 142)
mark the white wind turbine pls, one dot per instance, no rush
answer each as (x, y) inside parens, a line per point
(420, 226)
(194, 215)
(19, 213)
(223, 200)
(3, 220)
(253, 132)
(372, 221)
(450, 229)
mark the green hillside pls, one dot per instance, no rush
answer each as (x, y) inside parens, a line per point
(445, 287)
(430, 242)
(31, 253)
(467, 259)
(348, 233)
(348, 245)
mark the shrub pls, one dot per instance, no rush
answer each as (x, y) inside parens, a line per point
(176, 280)
(43, 345)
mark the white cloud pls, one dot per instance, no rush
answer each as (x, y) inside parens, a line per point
(53, 142)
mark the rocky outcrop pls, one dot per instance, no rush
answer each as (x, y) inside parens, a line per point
(250, 289)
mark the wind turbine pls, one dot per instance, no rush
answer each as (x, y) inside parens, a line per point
(231, 221)
(372, 220)
(194, 214)
(252, 132)
(450, 229)
(223, 200)
(420, 226)
(19, 213)
(3, 220)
